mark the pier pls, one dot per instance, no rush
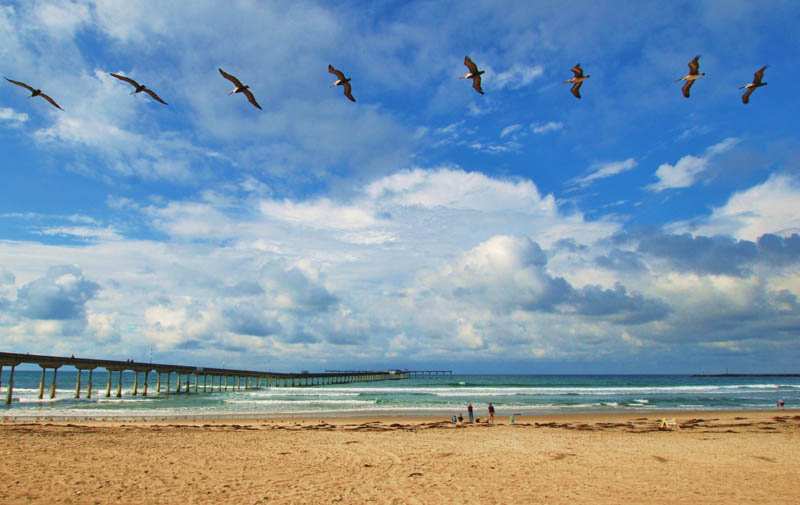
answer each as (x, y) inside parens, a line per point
(425, 373)
(188, 379)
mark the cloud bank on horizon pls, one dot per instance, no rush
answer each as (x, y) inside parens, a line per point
(523, 230)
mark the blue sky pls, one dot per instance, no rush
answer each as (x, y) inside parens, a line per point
(425, 225)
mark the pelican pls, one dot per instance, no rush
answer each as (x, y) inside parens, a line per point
(35, 92)
(752, 86)
(693, 75)
(473, 74)
(240, 88)
(343, 81)
(138, 88)
(577, 80)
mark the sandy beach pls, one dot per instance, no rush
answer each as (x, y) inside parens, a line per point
(731, 457)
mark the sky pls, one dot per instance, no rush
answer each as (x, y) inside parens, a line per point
(522, 231)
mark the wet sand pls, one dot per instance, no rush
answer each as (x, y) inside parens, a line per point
(715, 457)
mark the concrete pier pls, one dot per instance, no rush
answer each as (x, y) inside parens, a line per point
(226, 378)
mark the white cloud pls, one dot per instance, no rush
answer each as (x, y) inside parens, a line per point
(604, 170)
(510, 129)
(770, 207)
(516, 77)
(63, 18)
(550, 126)
(12, 117)
(82, 232)
(688, 169)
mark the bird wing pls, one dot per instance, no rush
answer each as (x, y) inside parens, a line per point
(348, 91)
(338, 73)
(759, 75)
(686, 88)
(746, 95)
(476, 83)
(154, 96)
(694, 65)
(126, 79)
(576, 89)
(251, 98)
(22, 84)
(52, 102)
(231, 78)
(577, 70)
(473, 68)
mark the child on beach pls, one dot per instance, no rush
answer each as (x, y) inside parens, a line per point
(491, 413)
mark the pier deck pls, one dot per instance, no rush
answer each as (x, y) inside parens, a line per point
(224, 377)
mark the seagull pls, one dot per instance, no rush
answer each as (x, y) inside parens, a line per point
(473, 74)
(751, 86)
(240, 88)
(343, 81)
(35, 92)
(577, 80)
(693, 75)
(138, 88)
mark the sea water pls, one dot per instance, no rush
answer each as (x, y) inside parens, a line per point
(448, 395)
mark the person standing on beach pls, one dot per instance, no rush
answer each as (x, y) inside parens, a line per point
(491, 413)
(471, 414)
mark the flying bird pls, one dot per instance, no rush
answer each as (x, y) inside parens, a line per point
(138, 88)
(343, 81)
(240, 88)
(577, 80)
(693, 75)
(473, 74)
(752, 86)
(35, 92)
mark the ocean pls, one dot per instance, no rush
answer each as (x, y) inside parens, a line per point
(511, 394)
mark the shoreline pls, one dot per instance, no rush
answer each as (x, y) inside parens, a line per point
(386, 416)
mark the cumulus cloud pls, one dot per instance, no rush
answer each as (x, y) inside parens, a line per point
(688, 169)
(603, 170)
(61, 294)
(509, 273)
(769, 207)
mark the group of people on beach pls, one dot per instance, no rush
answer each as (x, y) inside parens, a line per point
(471, 415)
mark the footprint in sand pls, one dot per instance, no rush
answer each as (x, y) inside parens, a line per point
(660, 459)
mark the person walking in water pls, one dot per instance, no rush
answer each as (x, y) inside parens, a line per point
(470, 413)
(491, 413)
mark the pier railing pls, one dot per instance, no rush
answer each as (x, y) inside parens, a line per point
(225, 378)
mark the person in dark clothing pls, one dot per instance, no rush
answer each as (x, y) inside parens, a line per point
(470, 413)
(491, 413)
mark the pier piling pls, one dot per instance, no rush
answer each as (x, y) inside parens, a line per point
(53, 384)
(10, 386)
(41, 384)
(89, 391)
(78, 385)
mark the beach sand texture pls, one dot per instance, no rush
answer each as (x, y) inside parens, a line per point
(715, 457)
